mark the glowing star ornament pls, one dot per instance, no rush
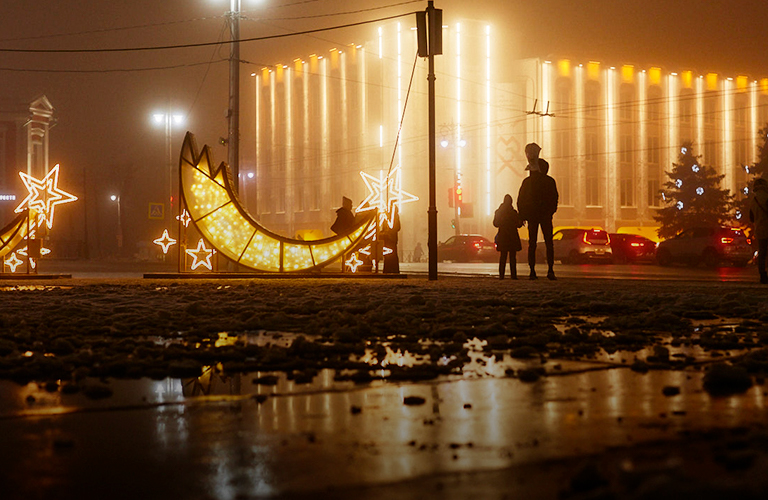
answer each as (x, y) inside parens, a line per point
(353, 263)
(165, 241)
(201, 255)
(385, 194)
(13, 262)
(44, 195)
(184, 218)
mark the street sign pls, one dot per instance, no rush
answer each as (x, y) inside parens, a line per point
(157, 211)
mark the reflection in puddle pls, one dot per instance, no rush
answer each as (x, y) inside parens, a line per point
(28, 288)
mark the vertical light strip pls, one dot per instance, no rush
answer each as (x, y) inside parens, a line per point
(399, 93)
(642, 98)
(324, 177)
(727, 155)
(672, 144)
(381, 45)
(458, 112)
(272, 127)
(581, 150)
(258, 135)
(289, 181)
(612, 179)
(487, 120)
(381, 136)
(546, 96)
(363, 94)
(700, 114)
(753, 122)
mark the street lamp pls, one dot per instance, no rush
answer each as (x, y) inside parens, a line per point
(169, 120)
(116, 198)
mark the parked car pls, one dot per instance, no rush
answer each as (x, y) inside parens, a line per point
(632, 248)
(467, 248)
(577, 246)
(711, 246)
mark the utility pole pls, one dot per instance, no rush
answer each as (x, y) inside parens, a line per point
(429, 27)
(233, 113)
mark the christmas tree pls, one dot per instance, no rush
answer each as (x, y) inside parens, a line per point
(758, 169)
(693, 196)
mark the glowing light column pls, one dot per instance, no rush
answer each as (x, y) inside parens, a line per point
(727, 155)
(612, 201)
(458, 124)
(487, 120)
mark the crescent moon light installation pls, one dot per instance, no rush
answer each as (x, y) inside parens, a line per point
(218, 215)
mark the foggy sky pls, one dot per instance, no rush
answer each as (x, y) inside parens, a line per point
(104, 120)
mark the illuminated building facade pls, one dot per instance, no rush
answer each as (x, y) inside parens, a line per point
(609, 132)
(23, 148)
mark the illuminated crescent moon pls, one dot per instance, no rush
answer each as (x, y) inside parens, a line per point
(13, 233)
(219, 216)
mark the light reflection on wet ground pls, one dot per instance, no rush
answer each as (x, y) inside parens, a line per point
(309, 436)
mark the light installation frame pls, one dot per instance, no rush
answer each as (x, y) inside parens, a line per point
(199, 167)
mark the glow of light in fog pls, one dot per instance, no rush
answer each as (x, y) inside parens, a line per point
(381, 136)
(324, 121)
(642, 117)
(458, 107)
(399, 91)
(487, 120)
(672, 114)
(753, 117)
(381, 46)
(700, 111)
(728, 99)
(610, 112)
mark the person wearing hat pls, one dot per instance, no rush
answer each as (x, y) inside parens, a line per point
(758, 215)
(537, 204)
(345, 219)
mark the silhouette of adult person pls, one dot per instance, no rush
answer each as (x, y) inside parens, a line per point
(758, 215)
(388, 234)
(345, 218)
(507, 220)
(537, 203)
(418, 252)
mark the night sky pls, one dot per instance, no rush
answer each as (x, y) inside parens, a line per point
(104, 116)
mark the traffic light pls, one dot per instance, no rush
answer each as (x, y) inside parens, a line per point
(458, 196)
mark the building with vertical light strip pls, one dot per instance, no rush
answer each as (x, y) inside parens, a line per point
(609, 131)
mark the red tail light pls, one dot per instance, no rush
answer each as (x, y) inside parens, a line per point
(726, 241)
(477, 245)
(635, 244)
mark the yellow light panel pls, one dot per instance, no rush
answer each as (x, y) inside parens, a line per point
(217, 214)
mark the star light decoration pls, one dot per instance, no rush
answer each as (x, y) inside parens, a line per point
(184, 218)
(165, 241)
(353, 262)
(201, 255)
(13, 262)
(44, 195)
(386, 196)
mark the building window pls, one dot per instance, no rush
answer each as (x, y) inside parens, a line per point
(627, 192)
(654, 154)
(654, 198)
(591, 147)
(626, 149)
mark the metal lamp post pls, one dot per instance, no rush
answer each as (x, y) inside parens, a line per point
(168, 120)
(116, 198)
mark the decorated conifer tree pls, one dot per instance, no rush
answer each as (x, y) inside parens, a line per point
(693, 196)
(757, 169)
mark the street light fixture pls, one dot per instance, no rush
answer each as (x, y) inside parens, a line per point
(116, 198)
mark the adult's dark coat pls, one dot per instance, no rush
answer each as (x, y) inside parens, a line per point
(537, 199)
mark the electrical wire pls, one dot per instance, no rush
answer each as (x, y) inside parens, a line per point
(112, 70)
(202, 44)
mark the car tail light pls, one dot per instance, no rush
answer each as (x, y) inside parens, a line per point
(478, 245)
(595, 233)
(726, 240)
(635, 244)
